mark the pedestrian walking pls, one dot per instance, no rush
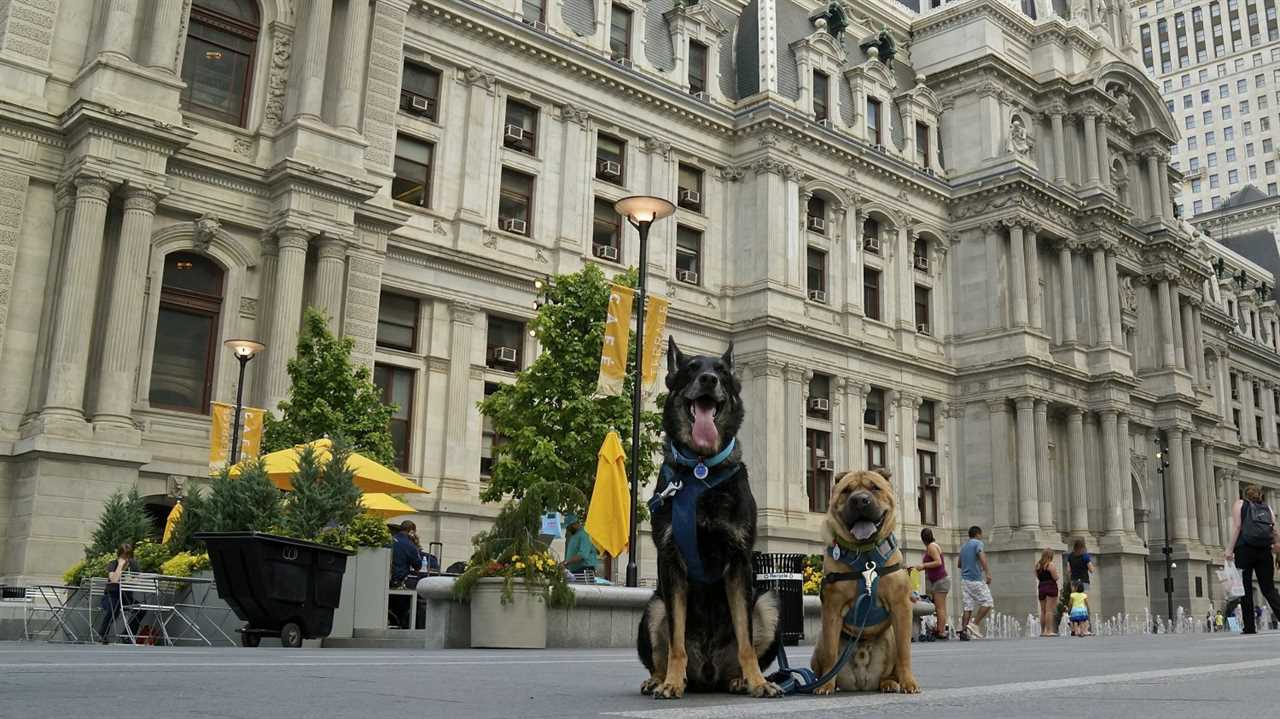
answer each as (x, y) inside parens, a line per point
(1080, 563)
(975, 577)
(937, 582)
(1079, 611)
(1047, 591)
(113, 598)
(1253, 540)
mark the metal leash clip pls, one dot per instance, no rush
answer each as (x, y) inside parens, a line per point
(675, 486)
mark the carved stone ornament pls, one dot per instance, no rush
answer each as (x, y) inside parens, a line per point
(278, 77)
(1128, 295)
(206, 228)
(1020, 140)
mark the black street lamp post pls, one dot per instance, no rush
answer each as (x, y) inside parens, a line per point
(244, 351)
(641, 211)
(1162, 464)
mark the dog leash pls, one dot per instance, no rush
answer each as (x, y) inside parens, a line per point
(684, 499)
(799, 680)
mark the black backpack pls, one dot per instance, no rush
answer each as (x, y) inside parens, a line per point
(1257, 526)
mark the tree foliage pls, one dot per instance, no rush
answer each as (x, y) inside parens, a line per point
(552, 424)
(330, 397)
(247, 502)
(324, 494)
(193, 519)
(123, 519)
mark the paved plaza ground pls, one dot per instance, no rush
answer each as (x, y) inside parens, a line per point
(1168, 677)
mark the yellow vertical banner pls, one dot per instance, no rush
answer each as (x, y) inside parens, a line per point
(613, 353)
(221, 417)
(655, 325)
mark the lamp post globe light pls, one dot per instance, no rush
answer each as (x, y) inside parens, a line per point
(641, 211)
(244, 350)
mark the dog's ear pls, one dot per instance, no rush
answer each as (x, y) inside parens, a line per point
(727, 358)
(883, 472)
(676, 360)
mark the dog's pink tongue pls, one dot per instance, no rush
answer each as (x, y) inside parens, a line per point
(705, 435)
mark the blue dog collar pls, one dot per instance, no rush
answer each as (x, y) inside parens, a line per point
(702, 467)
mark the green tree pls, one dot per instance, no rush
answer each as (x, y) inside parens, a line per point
(193, 519)
(323, 494)
(123, 519)
(552, 423)
(328, 397)
(247, 502)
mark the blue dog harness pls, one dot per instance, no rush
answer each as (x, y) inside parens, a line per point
(684, 481)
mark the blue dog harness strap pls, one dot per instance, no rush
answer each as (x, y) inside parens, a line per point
(869, 565)
(700, 475)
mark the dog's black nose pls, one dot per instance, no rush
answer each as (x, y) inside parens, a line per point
(861, 500)
(709, 380)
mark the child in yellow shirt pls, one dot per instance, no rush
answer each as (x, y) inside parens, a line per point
(1079, 611)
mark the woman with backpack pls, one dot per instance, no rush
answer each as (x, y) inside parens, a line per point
(1253, 539)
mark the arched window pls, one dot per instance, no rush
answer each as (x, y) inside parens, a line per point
(186, 333)
(218, 62)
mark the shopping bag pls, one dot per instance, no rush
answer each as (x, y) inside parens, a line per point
(1232, 581)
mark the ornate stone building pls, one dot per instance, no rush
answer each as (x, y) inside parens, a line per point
(947, 248)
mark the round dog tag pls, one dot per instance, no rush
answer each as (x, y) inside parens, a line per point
(835, 552)
(701, 471)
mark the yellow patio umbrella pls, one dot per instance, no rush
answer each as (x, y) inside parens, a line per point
(384, 505)
(369, 475)
(171, 522)
(609, 516)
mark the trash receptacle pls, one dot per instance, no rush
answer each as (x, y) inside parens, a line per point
(279, 586)
(784, 574)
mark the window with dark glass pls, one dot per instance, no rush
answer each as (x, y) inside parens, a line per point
(920, 254)
(816, 214)
(690, 183)
(922, 144)
(925, 420)
(816, 276)
(610, 154)
(397, 321)
(504, 344)
(819, 397)
(186, 333)
(217, 65)
(396, 384)
(875, 454)
(420, 90)
(688, 255)
(697, 67)
(821, 95)
(922, 310)
(490, 440)
(533, 11)
(873, 415)
(873, 121)
(412, 183)
(620, 33)
(871, 293)
(521, 129)
(819, 470)
(927, 497)
(515, 202)
(871, 235)
(606, 231)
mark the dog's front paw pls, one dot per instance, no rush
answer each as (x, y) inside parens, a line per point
(909, 685)
(669, 690)
(890, 686)
(826, 689)
(766, 690)
(738, 685)
(649, 685)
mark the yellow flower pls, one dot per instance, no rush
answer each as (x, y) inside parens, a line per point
(515, 557)
(519, 565)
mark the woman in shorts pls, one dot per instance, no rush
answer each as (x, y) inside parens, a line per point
(1047, 591)
(937, 583)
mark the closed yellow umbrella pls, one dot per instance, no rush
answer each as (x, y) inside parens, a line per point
(384, 505)
(369, 475)
(609, 516)
(171, 522)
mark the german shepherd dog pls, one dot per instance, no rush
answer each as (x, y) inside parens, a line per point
(719, 635)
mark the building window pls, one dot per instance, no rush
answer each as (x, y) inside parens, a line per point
(420, 90)
(871, 236)
(875, 454)
(504, 344)
(1235, 386)
(871, 293)
(926, 421)
(873, 415)
(620, 33)
(923, 326)
(819, 469)
(533, 11)
(816, 215)
(690, 182)
(1257, 430)
(490, 440)
(412, 183)
(521, 130)
(821, 95)
(515, 202)
(922, 144)
(816, 277)
(928, 494)
(397, 321)
(606, 232)
(920, 254)
(186, 333)
(873, 121)
(396, 384)
(217, 65)
(610, 154)
(688, 255)
(819, 397)
(697, 67)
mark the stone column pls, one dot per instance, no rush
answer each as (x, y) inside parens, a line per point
(1153, 184)
(1044, 477)
(117, 28)
(1059, 146)
(1269, 416)
(1126, 485)
(1003, 490)
(797, 495)
(1189, 341)
(1114, 516)
(856, 400)
(268, 270)
(311, 43)
(908, 413)
(286, 312)
(459, 464)
(355, 36)
(1204, 493)
(1245, 383)
(1104, 152)
(1113, 300)
(1165, 305)
(1018, 274)
(73, 319)
(1079, 514)
(995, 251)
(1088, 119)
(1189, 480)
(1166, 207)
(331, 260)
(1179, 346)
(1177, 488)
(1068, 293)
(119, 366)
(1035, 307)
(1102, 313)
(853, 244)
(1198, 343)
(1028, 499)
(166, 24)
